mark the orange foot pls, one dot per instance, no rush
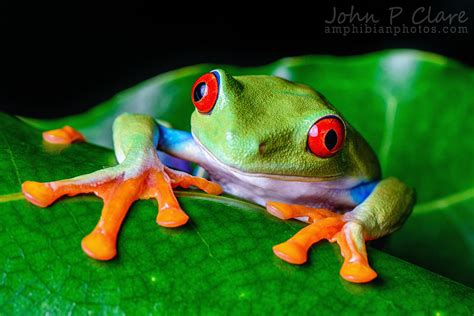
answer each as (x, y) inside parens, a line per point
(119, 187)
(64, 135)
(325, 224)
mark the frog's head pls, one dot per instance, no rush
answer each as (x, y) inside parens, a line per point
(268, 125)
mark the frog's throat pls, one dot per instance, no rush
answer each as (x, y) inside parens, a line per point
(211, 159)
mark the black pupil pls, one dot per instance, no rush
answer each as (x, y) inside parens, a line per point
(200, 91)
(331, 139)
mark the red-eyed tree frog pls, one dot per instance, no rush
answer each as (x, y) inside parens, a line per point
(262, 138)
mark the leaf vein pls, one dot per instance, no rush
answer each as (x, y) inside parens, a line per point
(10, 154)
(445, 201)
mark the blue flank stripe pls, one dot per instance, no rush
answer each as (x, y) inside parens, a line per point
(173, 139)
(362, 191)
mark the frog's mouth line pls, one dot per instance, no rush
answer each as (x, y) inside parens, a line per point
(222, 165)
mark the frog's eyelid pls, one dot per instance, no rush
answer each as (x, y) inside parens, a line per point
(218, 76)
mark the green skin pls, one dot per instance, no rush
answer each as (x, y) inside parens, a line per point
(254, 143)
(258, 129)
(255, 110)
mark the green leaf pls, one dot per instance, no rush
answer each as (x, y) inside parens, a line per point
(220, 262)
(411, 106)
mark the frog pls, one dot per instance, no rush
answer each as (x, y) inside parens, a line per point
(274, 142)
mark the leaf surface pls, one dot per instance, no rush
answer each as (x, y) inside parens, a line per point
(411, 106)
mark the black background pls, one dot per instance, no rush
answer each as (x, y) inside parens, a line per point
(58, 61)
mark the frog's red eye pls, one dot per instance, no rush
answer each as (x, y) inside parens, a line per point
(205, 92)
(326, 136)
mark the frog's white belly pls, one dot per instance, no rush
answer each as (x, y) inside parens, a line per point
(331, 194)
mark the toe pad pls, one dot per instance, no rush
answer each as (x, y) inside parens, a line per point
(99, 246)
(357, 272)
(40, 194)
(291, 252)
(171, 217)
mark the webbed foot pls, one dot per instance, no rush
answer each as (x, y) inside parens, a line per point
(324, 224)
(142, 177)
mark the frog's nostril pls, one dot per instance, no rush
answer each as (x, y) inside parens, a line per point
(200, 91)
(261, 148)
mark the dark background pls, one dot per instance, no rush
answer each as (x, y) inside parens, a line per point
(59, 61)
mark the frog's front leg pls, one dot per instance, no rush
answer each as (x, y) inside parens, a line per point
(139, 175)
(381, 213)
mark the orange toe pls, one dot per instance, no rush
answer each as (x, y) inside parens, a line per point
(99, 246)
(171, 217)
(213, 188)
(280, 210)
(40, 194)
(290, 252)
(357, 272)
(65, 135)
(185, 181)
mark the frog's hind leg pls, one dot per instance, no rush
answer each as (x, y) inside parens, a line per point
(324, 224)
